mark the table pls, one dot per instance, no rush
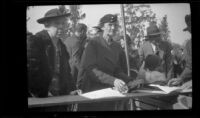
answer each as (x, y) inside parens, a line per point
(75, 99)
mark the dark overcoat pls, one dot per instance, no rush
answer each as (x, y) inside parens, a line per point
(100, 65)
(41, 53)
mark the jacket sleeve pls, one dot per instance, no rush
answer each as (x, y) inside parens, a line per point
(33, 54)
(187, 72)
(89, 66)
(121, 68)
(37, 86)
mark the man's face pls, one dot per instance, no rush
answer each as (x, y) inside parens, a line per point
(109, 29)
(156, 40)
(82, 34)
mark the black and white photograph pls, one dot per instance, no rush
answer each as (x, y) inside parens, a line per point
(109, 57)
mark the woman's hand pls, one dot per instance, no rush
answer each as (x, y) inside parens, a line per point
(120, 85)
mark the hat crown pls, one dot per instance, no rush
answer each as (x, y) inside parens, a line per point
(108, 18)
(153, 30)
(53, 13)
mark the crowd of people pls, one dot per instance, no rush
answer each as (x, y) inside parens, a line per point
(79, 65)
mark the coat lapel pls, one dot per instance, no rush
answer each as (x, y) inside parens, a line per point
(109, 55)
(49, 49)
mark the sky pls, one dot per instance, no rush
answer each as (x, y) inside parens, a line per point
(175, 17)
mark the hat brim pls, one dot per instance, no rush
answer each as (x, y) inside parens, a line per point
(98, 28)
(186, 29)
(42, 20)
(153, 34)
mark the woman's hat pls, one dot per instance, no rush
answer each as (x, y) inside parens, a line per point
(52, 14)
(97, 28)
(108, 18)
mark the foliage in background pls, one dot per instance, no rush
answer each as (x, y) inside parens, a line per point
(136, 19)
(163, 26)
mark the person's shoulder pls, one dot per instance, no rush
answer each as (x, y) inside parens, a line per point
(42, 36)
(42, 33)
(95, 40)
(117, 45)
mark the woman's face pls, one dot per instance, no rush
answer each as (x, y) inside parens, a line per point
(109, 29)
(57, 26)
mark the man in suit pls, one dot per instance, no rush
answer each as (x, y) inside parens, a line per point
(75, 46)
(150, 45)
(100, 65)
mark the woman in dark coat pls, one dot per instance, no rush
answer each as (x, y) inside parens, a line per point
(48, 66)
(100, 65)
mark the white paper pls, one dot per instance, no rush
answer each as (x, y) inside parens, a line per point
(152, 91)
(166, 89)
(103, 93)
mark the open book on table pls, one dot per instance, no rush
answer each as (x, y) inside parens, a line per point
(154, 88)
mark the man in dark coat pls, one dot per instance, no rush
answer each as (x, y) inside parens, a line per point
(185, 102)
(75, 46)
(150, 46)
(100, 65)
(48, 67)
(187, 52)
(154, 46)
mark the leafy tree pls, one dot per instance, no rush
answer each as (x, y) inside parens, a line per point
(136, 17)
(164, 29)
(76, 16)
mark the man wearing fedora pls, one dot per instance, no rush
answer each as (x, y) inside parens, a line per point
(150, 44)
(75, 46)
(48, 66)
(152, 47)
(100, 65)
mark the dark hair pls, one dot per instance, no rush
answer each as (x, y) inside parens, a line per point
(152, 62)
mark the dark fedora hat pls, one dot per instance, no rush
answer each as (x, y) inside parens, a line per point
(153, 30)
(188, 22)
(52, 14)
